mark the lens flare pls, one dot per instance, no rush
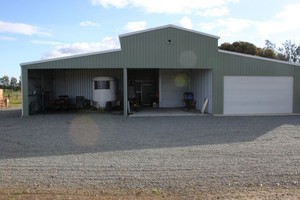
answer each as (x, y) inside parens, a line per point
(188, 59)
(181, 80)
(84, 132)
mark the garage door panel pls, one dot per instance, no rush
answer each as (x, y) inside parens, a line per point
(255, 95)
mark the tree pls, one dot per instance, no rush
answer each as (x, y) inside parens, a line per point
(226, 46)
(270, 45)
(4, 82)
(289, 52)
(13, 83)
(280, 56)
(266, 52)
(19, 84)
(240, 47)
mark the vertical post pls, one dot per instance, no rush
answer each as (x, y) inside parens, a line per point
(42, 92)
(24, 88)
(159, 87)
(125, 92)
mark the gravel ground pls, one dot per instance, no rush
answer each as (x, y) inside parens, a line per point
(106, 151)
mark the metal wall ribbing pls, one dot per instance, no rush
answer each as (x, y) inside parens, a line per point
(25, 100)
(206, 89)
(173, 84)
(201, 86)
(242, 66)
(78, 82)
(111, 59)
(296, 106)
(168, 48)
(233, 64)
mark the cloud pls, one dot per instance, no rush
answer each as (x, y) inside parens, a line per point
(45, 42)
(109, 3)
(20, 28)
(135, 26)
(228, 26)
(290, 11)
(186, 22)
(166, 6)
(284, 21)
(107, 43)
(234, 29)
(214, 12)
(5, 38)
(89, 24)
(281, 26)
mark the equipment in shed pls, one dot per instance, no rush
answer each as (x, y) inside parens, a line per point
(189, 100)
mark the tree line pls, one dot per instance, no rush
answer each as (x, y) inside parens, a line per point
(289, 51)
(10, 83)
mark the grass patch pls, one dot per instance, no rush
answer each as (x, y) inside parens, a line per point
(15, 98)
(14, 104)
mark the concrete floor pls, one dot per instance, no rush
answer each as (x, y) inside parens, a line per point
(165, 112)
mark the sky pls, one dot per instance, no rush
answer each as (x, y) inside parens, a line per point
(31, 30)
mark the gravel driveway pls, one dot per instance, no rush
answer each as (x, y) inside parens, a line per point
(91, 150)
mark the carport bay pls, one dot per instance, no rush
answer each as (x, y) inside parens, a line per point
(168, 84)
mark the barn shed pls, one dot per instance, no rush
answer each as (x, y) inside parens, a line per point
(161, 65)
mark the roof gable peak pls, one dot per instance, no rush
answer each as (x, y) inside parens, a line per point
(168, 26)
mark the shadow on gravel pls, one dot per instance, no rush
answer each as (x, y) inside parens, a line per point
(76, 133)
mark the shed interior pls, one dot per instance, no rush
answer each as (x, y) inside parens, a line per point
(61, 89)
(72, 88)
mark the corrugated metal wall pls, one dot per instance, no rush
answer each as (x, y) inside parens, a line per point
(173, 84)
(217, 90)
(185, 49)
(39, 84)
(102, 60)
(242, 65)
(78, 82)
(296, 106)
(201, 86)
(41, 80)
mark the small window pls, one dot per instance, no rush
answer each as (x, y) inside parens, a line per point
(102, 85)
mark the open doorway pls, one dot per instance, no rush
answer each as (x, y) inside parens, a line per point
(143, 87)
(165, 89)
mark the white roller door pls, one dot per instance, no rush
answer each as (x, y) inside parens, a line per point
(258, 95)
